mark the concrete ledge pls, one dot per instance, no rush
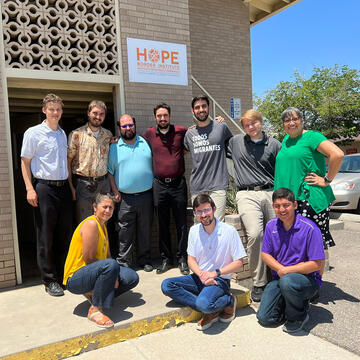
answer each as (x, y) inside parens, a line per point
(87, 341)
(336, 224)
(344, 216)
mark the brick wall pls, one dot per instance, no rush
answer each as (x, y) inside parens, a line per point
(160, 20)
(234, 220)
(220, 50)
(7, 257)
(219, 57)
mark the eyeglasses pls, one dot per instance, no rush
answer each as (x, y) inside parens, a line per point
(126, 126)
(287, 120)
(205, 211)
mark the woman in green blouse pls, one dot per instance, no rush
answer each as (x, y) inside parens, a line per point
(300, 167)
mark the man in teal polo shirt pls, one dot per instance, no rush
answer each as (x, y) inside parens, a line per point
(131, 178)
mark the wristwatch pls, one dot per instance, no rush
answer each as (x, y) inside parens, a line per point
(218, 272)
(327, 180)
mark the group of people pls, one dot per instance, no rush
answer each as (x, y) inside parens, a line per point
(146, 172)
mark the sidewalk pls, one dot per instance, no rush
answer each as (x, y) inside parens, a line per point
(55, 328)
(242, 339)
(34, 325)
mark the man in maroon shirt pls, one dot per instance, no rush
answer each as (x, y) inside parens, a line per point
(169, 188)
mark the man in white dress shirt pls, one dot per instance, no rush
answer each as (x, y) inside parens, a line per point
(45, 173)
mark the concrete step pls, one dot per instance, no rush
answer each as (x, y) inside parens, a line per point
(35, 325)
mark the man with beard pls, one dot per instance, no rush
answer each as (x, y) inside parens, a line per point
(88, 149)
(169, 188)
(206, 143)
(131, 178)
(215, 251)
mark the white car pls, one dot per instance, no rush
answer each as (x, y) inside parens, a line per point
(346, 185)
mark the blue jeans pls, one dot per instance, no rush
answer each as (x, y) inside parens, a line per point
(287, 297)
(100, 276)
(190, 291)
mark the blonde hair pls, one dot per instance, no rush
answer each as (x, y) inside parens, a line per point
(52, 98)
(252, 115)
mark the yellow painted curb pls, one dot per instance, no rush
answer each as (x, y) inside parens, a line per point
(80, 344)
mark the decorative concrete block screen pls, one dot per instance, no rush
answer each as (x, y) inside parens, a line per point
(60, 35)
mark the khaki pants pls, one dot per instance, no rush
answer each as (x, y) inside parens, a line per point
(219, 198)
(255, 209)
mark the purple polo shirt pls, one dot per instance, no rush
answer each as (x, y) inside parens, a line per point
(302, 242)
(168, 151)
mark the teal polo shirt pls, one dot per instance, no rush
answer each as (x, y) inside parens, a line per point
(131, 166)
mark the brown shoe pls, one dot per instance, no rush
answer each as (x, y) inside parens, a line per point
(207, 320)
(228, 314)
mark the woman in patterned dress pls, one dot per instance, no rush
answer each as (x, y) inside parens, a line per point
(300, 167)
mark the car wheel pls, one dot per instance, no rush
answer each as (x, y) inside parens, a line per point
(358, 208)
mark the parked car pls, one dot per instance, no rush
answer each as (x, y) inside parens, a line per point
(346, 185)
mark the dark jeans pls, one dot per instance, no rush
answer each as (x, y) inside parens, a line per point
(86, 191)
(171, 196)
(100, 276)
(53, 222)
(190, 291)
(287, 297)
(135, 217)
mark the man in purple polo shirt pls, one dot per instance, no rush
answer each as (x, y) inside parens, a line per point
(169, 188)
(293, 249)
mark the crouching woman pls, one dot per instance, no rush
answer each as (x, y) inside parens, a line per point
(89, 268)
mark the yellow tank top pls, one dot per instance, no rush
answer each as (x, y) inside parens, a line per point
(75, 259)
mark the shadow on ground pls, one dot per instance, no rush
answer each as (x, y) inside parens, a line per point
(330, 293)
(118, 312)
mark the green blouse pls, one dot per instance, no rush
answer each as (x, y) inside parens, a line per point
(298, 157)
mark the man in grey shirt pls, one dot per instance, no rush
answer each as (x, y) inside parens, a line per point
(254, 156)
(206, 143)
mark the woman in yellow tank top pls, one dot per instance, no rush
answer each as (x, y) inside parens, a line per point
(89, 268)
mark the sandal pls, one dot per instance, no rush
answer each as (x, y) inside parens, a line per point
(101, 321)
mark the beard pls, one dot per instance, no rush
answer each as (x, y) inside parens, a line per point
(128, 135)
(163, 127)
(207, 221)
(94, 124)
(202, 118)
